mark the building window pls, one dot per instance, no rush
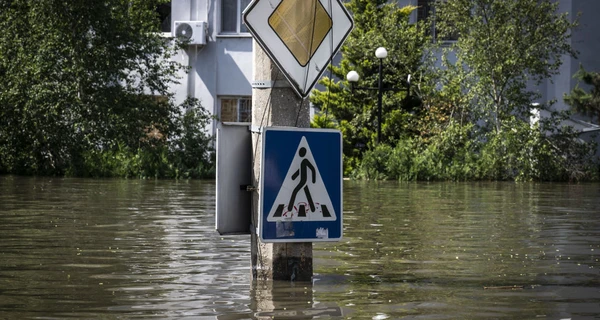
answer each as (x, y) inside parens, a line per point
(231, 16)
(236, 109)
(164, 14)
(425, 10)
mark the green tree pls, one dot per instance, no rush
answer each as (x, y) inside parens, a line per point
(587, 103)
(502, 45)
(377, 24)
(80, 78)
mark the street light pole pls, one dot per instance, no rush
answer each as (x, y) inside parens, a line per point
(353, 77)
(379, 100)
(380, 53)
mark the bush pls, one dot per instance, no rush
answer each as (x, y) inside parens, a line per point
(188, 154)
(519, 152)
(449, 155)
(192, 152)
(374, 165)
(402, 162)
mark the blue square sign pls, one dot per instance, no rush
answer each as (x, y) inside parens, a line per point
(301, 185)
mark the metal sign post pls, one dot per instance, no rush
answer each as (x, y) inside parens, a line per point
(296, 39)
(275, 106)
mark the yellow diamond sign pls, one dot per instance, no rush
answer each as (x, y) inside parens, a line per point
(302, 25)
(300, 36)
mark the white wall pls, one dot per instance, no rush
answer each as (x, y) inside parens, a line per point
(223, 67)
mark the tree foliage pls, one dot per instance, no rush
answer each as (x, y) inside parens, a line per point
(377, 24)
(502, 46)
(80, 78)
(544, 152)
(587, 103)
(472, 117)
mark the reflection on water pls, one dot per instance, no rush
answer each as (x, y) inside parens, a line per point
(76, 248)
(480, 250)
(80, 248)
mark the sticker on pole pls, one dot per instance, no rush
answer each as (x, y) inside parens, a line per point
(303, 196)
(301, 185)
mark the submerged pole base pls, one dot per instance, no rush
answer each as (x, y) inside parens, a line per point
(282, 261)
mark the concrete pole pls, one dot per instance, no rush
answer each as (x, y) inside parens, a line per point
(276, 106)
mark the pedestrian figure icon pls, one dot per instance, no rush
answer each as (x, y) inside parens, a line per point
(302, 171)
(303, 195)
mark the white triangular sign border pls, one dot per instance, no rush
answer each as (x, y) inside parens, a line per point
(324, 210)
(302, 78)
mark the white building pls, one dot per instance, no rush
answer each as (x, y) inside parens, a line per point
(585, 40)
(221, 71)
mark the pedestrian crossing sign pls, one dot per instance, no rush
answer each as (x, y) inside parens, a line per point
(301, 185)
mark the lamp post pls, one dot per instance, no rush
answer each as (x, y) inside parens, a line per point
(380, 53)
(353, 77)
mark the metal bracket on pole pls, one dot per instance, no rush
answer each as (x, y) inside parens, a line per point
(248, 187)
(266, 84)
(255, 129)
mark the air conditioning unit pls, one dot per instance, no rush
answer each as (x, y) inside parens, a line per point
(193, 32)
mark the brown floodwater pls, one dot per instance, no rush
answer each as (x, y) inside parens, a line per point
(135, 249)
